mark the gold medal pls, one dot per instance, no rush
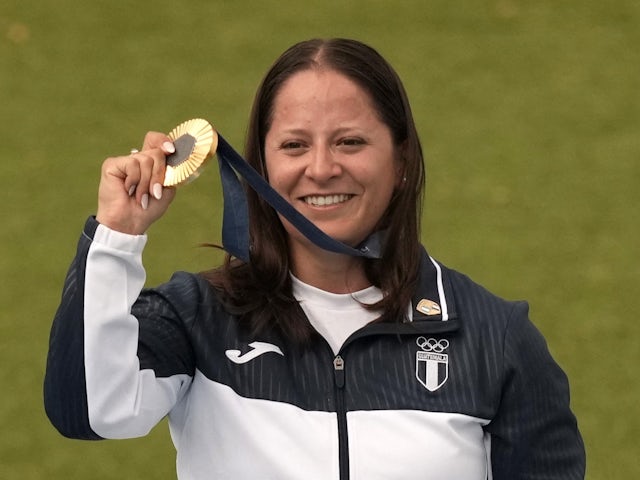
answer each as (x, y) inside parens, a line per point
(196, 141)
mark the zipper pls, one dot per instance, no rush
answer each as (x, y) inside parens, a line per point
(343, 437)
(412, 328)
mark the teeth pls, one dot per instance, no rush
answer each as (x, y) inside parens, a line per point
(324, 200)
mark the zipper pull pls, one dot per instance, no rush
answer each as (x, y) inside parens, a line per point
(338, 367)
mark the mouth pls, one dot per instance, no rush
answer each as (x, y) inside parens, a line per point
(326, 200)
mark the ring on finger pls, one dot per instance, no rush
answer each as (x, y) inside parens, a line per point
(134, 150)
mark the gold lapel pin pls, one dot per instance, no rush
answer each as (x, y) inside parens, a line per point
(428, 307)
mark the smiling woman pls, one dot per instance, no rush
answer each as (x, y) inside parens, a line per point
(300, 362)
(328, 153)
(336, 114)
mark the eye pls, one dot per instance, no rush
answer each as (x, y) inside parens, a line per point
(293, 146)
(351, 143)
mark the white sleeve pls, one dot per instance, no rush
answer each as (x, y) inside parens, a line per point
(123, 400)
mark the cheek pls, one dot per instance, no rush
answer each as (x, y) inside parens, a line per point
(280, 175)
(383, 199)
(272, 171)
(379, 197)
(384, 182)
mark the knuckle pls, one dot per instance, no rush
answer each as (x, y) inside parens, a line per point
(159, 166)
(108, 162)
(146, 161)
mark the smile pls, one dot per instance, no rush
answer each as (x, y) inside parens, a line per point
(326, 200)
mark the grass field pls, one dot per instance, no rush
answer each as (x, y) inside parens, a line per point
(530, 117)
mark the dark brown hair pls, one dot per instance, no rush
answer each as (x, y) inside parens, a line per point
(260, 292)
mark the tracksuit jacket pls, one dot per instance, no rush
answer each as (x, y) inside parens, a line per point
(465, 389)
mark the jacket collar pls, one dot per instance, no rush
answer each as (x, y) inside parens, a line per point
(433, 299)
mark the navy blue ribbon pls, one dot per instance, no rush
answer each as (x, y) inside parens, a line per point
(235, 221)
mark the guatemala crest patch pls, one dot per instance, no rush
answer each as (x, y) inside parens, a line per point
(432, 364)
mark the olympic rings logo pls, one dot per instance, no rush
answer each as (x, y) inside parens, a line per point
(432, 345)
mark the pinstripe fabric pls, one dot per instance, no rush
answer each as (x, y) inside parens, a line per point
(501, 380)
(64, 383)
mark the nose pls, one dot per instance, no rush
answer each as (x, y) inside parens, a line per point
(323, 165)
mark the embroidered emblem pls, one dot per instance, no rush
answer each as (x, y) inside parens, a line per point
(257, 349)
(428, 307)
(432, 364)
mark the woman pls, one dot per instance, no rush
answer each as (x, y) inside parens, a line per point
(304, 363)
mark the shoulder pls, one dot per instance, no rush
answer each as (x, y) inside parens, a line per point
(186, 294)
(471, 295)
(494, 322)
(482, 310)
(185, 285)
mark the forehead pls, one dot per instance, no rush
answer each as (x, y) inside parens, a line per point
(320, 76)
(317, 89)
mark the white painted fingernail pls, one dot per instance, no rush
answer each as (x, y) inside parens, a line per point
(157, 191)
(132, 189)
(169, 147)
(145, 201)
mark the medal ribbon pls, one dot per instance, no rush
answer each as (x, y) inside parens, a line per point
(235, 220)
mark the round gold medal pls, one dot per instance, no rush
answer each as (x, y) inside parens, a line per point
(195, 141)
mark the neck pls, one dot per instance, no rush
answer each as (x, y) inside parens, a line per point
(331, 272)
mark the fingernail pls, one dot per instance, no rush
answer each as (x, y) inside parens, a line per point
(132, 189)
(145, 201)
(157, 191)
(168, 147)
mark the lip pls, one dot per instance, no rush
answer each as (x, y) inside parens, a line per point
(327, 200)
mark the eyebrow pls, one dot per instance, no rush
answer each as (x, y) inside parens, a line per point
(337, 131)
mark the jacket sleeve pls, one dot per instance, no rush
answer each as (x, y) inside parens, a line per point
(534, 434)
(111, 371)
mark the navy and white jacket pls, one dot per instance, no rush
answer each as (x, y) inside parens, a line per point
(465, 390)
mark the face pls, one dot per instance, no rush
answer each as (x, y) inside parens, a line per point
(330, 156)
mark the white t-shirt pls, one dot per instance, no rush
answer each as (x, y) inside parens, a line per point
(335, 315)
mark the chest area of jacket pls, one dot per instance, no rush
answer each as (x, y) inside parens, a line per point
(380, 372)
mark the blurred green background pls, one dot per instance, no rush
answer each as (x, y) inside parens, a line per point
(529, 114)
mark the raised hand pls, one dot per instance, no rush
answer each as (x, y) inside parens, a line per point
(131, 195)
